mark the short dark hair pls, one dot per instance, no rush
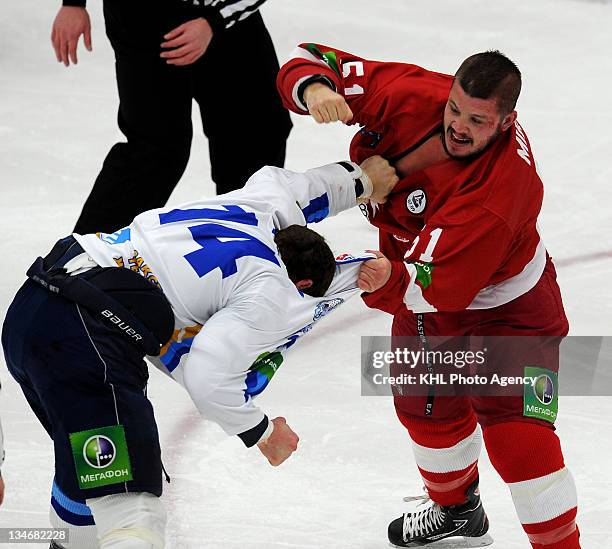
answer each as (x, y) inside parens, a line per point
(491, 74)
(306, 255)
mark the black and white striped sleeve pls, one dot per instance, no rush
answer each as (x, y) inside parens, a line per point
(220, 14)
(223, 14)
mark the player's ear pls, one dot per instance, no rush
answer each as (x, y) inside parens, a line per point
(508, 120)
(304, 283)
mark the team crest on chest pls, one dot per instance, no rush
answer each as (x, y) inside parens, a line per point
(416, 201)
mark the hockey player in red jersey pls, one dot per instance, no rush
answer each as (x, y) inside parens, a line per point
(460, 255)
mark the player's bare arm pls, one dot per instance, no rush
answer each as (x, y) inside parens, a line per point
(280, 444)
(325, 105)
(70, 23)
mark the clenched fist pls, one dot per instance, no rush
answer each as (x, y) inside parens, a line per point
(374, 273)
(280, 444)
(325, 105)
(382, 176)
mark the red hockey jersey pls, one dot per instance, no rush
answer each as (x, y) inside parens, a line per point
(461, 234)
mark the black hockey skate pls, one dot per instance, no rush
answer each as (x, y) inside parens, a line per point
(455, 526)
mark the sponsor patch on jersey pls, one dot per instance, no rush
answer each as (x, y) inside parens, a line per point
(325, 307)
(329, 57)
(423, 275)
(416, 201)
(101, 456)
(261, 372)
(541, 399)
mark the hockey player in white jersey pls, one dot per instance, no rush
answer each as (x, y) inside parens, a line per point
(215, 292)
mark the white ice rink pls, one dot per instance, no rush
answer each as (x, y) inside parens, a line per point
(354, 462)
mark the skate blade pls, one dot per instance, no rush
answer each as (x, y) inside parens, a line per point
(457, 542)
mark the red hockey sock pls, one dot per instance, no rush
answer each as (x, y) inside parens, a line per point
(558, 533)
(528, 457)
(446, 454)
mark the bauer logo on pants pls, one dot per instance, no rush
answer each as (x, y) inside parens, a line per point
(540, 399)
(101, 456)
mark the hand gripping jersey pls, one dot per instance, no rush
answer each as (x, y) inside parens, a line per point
(461, 234)
(236, 310)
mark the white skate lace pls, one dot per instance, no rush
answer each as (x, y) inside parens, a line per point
(422, 521)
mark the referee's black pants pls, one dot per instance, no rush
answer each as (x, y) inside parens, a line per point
(234, 86)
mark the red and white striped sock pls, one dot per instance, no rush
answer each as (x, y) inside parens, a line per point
(528, 457)
(447, 456)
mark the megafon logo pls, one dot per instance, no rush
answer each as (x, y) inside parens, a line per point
(99, 451)
(544, 389)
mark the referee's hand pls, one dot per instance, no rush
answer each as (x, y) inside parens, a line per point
(186, 43)
(70, 23)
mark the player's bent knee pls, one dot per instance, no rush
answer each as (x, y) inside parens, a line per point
(133, 520)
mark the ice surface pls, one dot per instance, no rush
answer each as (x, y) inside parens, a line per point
(354, 463)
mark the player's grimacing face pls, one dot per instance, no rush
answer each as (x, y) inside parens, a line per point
(471, 124)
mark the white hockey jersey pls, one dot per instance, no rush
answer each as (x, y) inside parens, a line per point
(236, 310)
